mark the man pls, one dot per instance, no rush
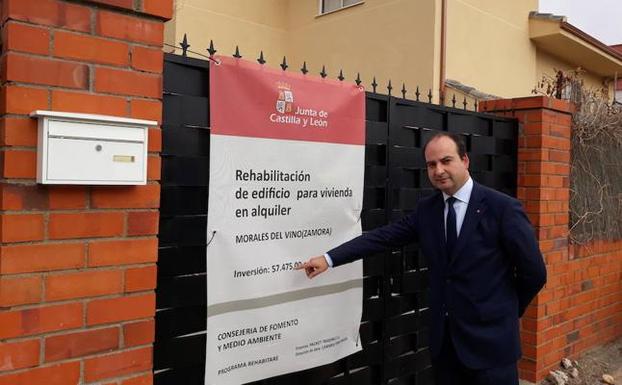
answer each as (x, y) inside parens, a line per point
(484, 268)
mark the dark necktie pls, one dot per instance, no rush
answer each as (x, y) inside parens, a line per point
(450, 225)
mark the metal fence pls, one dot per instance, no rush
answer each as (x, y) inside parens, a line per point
(393, 328)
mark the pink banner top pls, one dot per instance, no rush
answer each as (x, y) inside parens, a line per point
(252, 100)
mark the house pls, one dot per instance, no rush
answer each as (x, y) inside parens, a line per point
(477, 48)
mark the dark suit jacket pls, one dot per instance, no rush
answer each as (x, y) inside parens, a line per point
(482, 289)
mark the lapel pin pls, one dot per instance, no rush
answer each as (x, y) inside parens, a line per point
(478, 211)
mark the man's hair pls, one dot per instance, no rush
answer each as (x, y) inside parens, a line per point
(457, 139)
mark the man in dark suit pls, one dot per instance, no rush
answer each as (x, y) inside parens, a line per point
(484, 268)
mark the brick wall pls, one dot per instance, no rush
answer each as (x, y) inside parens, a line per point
(77, 263)
(581, 305)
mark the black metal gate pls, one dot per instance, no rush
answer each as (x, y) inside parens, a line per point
(394, 326)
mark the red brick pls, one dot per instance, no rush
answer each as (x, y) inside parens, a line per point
(493, 105)
(563, 120)
(18, 355)
(50, 12)
(142, 223)
(15, 259)
(124, 82)
(147, 59)
(61, 374)
(560, 156)
(38, 320)
(564, 131)
(30, 69)
(39, 197)
(85, 225)
(103, 311)
(19, 164)
(155, 139)
(22, 100)
(130, 28)
(535, 129)
(145, 379)
(83, 284)
(19, 291)
(123, 252)
(91, 49)
(26, 38)
(21, 197)
(127, 4)
(532, 154)
(21, 227)
(139, 333)
(118, 364)
(81, 344)
(147, 196)
(556, 143)
(66, 197)
(154, 166)
(18, 132)
(88, 103)
(533, 116)
(561, 105)
(146, 109)
(140, 278)
(161, 8)
(528, 103)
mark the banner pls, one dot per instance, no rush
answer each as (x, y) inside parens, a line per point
(286, 183)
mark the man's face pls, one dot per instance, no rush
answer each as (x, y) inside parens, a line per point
(446, 170)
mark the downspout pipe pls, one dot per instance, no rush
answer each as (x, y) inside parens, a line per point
(441, 86)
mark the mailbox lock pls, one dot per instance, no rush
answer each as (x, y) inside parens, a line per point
(98, 147)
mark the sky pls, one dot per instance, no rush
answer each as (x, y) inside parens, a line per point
(599, 18)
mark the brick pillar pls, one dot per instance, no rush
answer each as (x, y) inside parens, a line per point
(77, 263)
(543, 188)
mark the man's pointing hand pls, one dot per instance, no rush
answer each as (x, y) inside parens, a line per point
(314, 266)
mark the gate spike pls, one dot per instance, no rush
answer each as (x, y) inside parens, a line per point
(284, 64)
(323, 74)
(358, 79)
(237, 53)
(464, 103)
(417, 93)
(304, 69)
(389, 87)
(211, 49)
(429, 95)
(374, 85)
(340, 77)
(184, 45)
(453, 101)
(404, 90)
(261, 59)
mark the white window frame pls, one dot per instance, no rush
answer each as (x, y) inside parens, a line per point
(322, 13)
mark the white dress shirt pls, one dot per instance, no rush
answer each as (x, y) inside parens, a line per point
(460, 204)
(463, 195)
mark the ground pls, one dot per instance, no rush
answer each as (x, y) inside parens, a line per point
(606, 359)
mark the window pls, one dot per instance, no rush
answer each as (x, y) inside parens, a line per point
(619, 96)
(327, 6)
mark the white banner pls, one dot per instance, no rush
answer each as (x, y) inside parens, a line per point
(273, 202)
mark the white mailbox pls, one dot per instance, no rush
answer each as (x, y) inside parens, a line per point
(91, 149)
